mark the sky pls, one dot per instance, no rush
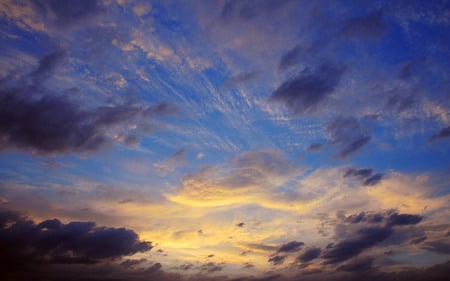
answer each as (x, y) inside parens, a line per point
(224, 140)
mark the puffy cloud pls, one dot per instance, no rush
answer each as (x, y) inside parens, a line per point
(348, 248)
(51, 241)
(252, 174)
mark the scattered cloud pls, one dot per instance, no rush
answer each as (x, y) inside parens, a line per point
(366, 176)
(304, 93)
(277, 259)
(349, 134)
(289, 247)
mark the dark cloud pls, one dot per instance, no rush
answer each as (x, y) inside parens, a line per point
(365, 217)
(357, 265)
(46, 65)
(349, 134)
(360, 173)
(354, 146)
(290, 247)
(348, 248)
(403, 219)
(444, 133)
(67, 13)
(366, 176)
(373, 180)
(291, 57)
(391, 217)
(248, 9)
(153, 269)
(370, 26)
(418, 240)
(369, 235)
(51, 242)
(314, 147)
(439, 246)
(129, 263)
(33, 118)
(277, 259)
(305, 92)
(398, 103)
(211, 267)
(309, 255)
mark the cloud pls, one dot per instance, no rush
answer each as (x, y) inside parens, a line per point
(418, 240)
(398, 103)
(35, 119)
(172, 162)
(290, 247)
(357, 265)
(240, 79)
(348, 248)
(290, 58)
(349, 134)
(438, 246)
(444, 133)
(211, 267)
(391, 217)
(129, 263)
(65, 13)
(247, 9)
(46, 65)
(370, 26)
(403, 219)
(51, 241)
(309, 255)
(358, 239)
(276, 259)
(305, 92)
(314, 147)
(366, 176)
(251, 174)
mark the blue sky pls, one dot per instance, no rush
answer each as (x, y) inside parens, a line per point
(212, 140)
